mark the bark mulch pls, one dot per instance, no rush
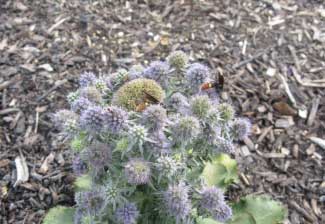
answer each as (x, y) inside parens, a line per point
(272, 54)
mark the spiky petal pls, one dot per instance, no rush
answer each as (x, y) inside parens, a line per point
(93, 119)
(80, 104)
(211, 198)
(115, 119)
(186, 129)
(222, 213)
(155, 116)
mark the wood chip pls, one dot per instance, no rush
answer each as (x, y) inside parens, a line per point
(313, 111)
(320, 142)
(22, 170)
(45, 165)
(285, 122)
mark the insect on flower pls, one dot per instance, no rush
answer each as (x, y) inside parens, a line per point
(148, 100)
(218, 83)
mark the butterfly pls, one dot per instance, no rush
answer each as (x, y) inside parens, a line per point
(148, 100)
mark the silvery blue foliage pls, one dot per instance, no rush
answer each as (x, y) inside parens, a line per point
(127, 214)
(144, 163)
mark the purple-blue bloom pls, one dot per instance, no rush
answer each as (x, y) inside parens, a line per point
(157, 71)
(177, 201)
(79, 166)
(137, 171)
(155, 116)
(80, 104)
(93, 119)
(211, 198)
(127, 214)
(197, 74)
(222, 213)
(115, 119)
(87, 79)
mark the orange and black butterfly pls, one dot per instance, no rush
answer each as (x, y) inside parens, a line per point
(148, 100)
(217, 84)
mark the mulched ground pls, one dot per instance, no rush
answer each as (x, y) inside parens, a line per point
(263, 48)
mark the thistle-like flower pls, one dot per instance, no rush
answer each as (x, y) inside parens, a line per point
(136, 71)
(118, 78)
(226, 112)
(115, 119)
(224, 145)
(241, 128)
(160, 144)
(222, 213)
(178, 60)
(98, 155)
(91, 202)
(137, 171)
(80, 104)
(186, 129)
(196, 75)
(100, 84)
(72, 96)
(177, 202)
(79, 166)
(138, 133)
(167, 165)
(92, 94)
(87, 79)
(155, 116)
(200, 106)
(179, 102)
(127, 214)
(211, 198)
(93, 119)
(158, 70)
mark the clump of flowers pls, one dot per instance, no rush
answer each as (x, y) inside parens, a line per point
(144, 141)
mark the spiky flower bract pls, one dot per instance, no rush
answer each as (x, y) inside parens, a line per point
(155, 116)
(127, 214)
(115, 119)
(80, 104)
(200, 106)
(196, 75)
(178, 60)
(93, 119)
(131, 94)
(179, 102)
(177, 201)
(226, 112)
(167, 165)
(137, 171)
(186, 128)
(138, 133)
(92, 94)
(160, 144)
(87, 79)
(241, 128)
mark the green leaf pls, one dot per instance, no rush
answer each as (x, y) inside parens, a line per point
(221, 172)
(258, 210)
(59, 215)
(83, 183)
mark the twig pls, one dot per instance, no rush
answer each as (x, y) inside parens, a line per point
(254, 57)
(287, 89)
(57, 24)
(302, 211)
(313, 111)
(57, 84)
(9, 110)
(307, 83)
(5, 84)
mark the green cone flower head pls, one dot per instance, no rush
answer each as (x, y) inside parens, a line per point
(133, 93)
(178, 60)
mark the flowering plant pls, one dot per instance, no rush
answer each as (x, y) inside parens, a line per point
(149, 145)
